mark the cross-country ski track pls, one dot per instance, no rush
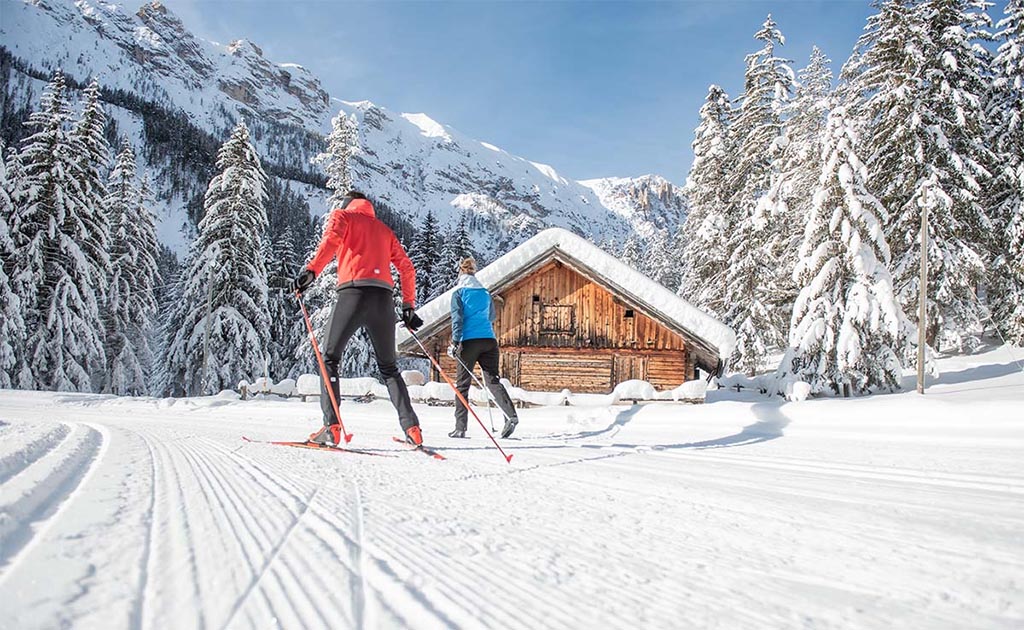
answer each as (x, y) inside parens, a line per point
(746, 512)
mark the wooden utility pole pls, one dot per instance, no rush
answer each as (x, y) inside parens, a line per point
(922, 318)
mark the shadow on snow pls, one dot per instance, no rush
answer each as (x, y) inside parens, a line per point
(975, 373)
(769, 426)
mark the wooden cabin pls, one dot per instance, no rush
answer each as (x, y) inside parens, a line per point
(572, 316)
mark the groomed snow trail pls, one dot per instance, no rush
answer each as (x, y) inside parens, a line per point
(890, 511)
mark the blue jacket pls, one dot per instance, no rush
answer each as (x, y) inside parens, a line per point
(472, 311)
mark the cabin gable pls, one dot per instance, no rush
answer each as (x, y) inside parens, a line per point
(557, 307)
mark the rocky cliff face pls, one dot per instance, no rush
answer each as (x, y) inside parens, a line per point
(649, 201)
(410, 161)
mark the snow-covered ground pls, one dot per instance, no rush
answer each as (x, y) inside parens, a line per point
(746, 512)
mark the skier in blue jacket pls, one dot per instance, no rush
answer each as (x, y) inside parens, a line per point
(473, 341)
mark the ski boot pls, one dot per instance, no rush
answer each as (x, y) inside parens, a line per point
(457, 433)
(414, 436)
(510, 426)
(329, 435)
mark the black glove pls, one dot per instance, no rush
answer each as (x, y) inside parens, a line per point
(303, 280)
(455, 350)
(411, 320)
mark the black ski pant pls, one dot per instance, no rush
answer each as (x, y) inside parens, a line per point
(485, 352)
(372, 308)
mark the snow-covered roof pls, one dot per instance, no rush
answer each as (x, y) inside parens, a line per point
(600, 267)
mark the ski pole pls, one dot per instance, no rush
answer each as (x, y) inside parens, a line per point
(508, 458)
(490, 396)
(323, 368)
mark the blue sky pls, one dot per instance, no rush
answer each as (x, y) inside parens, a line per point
(595, 89)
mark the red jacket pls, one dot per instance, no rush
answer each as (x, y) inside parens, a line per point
(366, 249)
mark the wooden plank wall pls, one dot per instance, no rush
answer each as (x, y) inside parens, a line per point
(598, 319)
(551, 370)
(592, 371)
(665, 368)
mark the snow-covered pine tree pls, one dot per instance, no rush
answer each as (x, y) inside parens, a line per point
(847, 324)
(654, 256)
(801, 161)
(65, 332)
(131, 301)
(224, 290)
(631, 254)
(751, 278)
(462, 244)
(125, 373)
(93, 168)
(426, 258)
(447, 263)
(154, 278)
(749, 295)
(878, 68)
(287, 329)
(166, 298)
(455, 247)
(806, 128)
(957, 84)
(12, 322)
(290, 233)
(663, 262)
(15, 182)
(705, 254)
(1007, 200)
(758, 128)
(14, 263)
(342, 144)
(916, 84)
(609, 246)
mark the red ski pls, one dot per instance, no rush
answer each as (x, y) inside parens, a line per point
(318, 447)
(423, 449)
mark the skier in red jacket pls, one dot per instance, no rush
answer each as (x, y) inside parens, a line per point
(365, 249)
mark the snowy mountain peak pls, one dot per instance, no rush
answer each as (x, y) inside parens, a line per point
(241, 47)
(430, 127)
(549, 172)
(155, 15)
(649, 199)
(257, 82)
(164, 41)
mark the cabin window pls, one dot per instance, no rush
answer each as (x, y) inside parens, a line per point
(536, 299)
(557, 319)
(629, 313)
